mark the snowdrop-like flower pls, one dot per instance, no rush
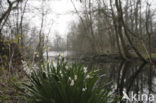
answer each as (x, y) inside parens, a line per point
(75, 77)
(97, 70)
(84, 89)
(66, 67)
(72, 83)
(69, 78)
(88, 76)
(24, 63)
(35, 53)
(26, 68)
(85, 69)
(61, 75)
(60, 72)
(34, 67)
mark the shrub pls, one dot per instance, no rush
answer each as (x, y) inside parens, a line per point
(63, 84)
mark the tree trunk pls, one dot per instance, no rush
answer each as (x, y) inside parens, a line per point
(119, 9)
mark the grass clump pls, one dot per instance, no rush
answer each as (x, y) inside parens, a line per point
(63, 84)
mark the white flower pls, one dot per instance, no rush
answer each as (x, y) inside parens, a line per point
(69, 78)
(97, 70)
(24, 64)
(61, 75)
(55, 66)
(34, 66)
(60, 72)
(84, 89)
(25, 67)
(85, 69)
(66, 67)
(72, 83)
(22, 61)
(75, 77)
(35, 53)
(88, 76)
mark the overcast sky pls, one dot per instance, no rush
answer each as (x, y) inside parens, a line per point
(60, 15)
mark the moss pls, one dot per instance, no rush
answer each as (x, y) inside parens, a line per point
(153, 55)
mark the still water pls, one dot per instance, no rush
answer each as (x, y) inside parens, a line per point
(136, 77)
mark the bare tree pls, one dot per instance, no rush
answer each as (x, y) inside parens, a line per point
(5, 14)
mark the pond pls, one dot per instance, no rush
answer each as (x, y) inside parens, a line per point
(132, 77)
(136, 77)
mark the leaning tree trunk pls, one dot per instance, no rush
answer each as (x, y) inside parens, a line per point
(119, 9)
(119, 35)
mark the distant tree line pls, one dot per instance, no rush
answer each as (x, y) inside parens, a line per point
(126, 27)
(58, 43)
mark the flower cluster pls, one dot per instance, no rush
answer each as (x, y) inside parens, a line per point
(84, 89)
(25, 67)
(62, 84)
(72, 81)
(85, 69)
(29, 69)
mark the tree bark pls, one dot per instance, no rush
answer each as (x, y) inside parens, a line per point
(119, 8)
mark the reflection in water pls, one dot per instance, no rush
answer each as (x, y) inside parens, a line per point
(136, 77)
(128, 76)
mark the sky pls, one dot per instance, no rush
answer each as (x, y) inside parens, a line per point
(60, 15)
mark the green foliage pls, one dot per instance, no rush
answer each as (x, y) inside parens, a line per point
(63, 84)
